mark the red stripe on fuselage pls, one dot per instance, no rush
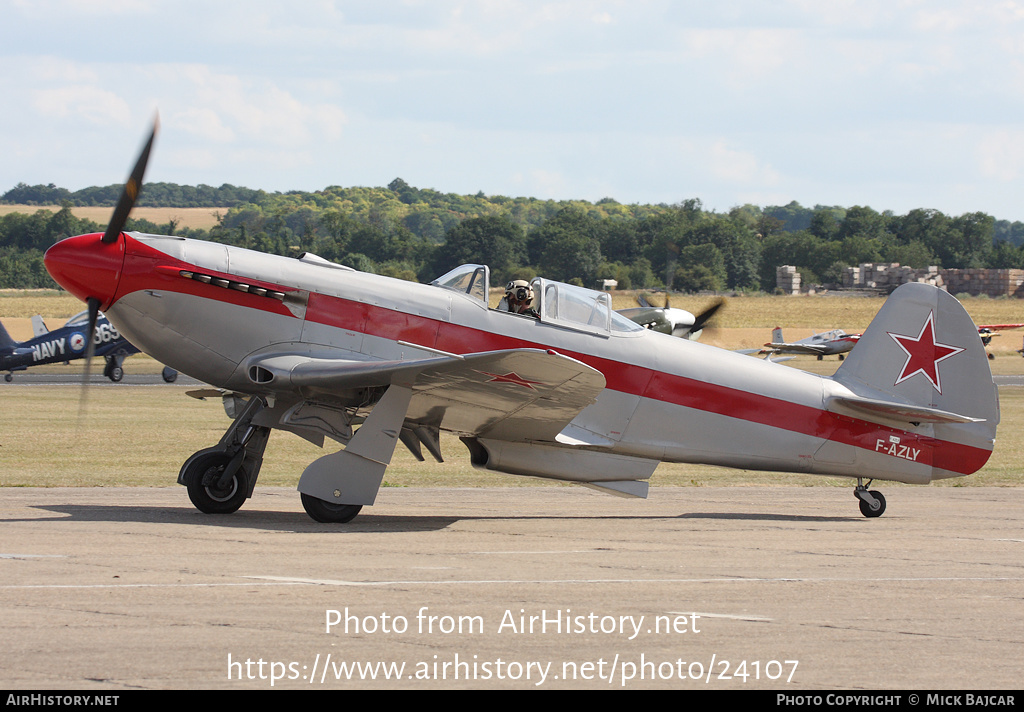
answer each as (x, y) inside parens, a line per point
(648, 383)
(142, 271)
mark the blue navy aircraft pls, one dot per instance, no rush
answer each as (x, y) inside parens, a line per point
(68, 343)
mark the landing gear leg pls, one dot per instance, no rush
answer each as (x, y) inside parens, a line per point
(335, 487)
(114, 370)
(219, 479)
(872, 502)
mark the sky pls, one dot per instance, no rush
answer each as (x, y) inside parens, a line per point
(892, 104)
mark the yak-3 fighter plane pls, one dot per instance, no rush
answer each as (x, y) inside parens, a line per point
(581, 394)
(828, 343)
(69, 343)
(988, 331)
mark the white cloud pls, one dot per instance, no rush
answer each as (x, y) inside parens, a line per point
(204, 123)
(844, 102)
(225, 108)
(1001, 155)
(739, 167)
(82, 103)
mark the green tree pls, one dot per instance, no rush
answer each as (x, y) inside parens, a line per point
(701, 267)
(494, 241)
(567, 247)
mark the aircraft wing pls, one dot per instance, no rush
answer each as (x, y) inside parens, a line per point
(518, 395)
(809, 349)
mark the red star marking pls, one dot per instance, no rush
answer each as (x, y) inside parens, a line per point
(924, 354)
(511, 377)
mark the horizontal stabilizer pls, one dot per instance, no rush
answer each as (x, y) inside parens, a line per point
(898, 411)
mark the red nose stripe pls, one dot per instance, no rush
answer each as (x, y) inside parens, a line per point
(87, 267)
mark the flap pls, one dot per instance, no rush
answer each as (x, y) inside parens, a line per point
(520, 394)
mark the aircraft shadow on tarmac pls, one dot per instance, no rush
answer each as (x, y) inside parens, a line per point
(296, 522)
(768, 517)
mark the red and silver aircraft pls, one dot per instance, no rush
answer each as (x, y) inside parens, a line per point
(580, 394)
(829, 343)
(987, 331)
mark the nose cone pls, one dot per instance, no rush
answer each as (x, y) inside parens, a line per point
(87, 267)
(679, 317)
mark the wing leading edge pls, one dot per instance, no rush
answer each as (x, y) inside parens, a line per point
(517, 395)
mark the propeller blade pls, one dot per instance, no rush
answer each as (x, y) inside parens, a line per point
(90, 351)
(130, 192)
(702, 319)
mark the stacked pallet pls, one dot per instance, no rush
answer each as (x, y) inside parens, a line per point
(993, 282)
(887, 276)
(787, 279)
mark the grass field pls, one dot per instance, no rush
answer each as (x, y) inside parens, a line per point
(140, 435)
(196, 218)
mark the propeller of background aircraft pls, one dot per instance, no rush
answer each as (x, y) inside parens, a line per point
(670, 320)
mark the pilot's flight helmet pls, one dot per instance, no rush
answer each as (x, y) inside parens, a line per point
(520, 290)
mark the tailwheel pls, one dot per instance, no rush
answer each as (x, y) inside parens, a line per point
(329, 512)
(872, 502)
(210, 491)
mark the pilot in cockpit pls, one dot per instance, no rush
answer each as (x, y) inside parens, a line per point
(518, 299)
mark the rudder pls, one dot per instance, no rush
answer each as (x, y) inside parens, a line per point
(923, 349)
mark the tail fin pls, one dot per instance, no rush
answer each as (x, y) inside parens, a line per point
(921, 362)
(5, 338)
(777, 335)
(39, 326)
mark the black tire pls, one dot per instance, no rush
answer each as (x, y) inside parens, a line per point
(169, 375)
(866, 509)
(209, 498)
(116, 374)
(328, 512)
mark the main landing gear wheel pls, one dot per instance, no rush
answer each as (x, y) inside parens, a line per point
(204, 488)
(328, 512)
(872, 502)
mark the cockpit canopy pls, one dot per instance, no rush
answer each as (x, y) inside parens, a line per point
(474, 280)
(558, 303)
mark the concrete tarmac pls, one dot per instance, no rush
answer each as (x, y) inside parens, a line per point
(515, 588)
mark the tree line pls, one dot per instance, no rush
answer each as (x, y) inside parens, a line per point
(418, 234)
